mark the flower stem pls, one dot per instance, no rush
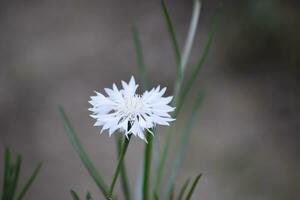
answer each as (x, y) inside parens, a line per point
(120, 162)
(123, 171)
(147, 165)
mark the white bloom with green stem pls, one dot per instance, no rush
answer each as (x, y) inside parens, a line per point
(130, 112)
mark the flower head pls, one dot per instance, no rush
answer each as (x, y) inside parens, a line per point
(130, 112)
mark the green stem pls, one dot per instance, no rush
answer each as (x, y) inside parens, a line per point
(120, 163)
(124, 177)
(147, 165)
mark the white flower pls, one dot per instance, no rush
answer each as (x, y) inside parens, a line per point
(129, 112)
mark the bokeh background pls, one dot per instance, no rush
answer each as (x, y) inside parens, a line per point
(246, 141)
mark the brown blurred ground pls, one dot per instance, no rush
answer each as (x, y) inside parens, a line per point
(57, 52)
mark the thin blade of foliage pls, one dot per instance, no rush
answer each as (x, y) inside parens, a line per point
(29, 182)
(88, 196)
(178, 85)
(183, 143)
(82, 154)
(120, 163)
(171, 193)
(139, 56)
(156, 196)
(124, 177)
(10, 178)
(7, 161)
(182, 190)
(190, 193)
(172, 33)
(187, 47)
(191, 35)
(15, 177)
(74, 195)
(196, 69)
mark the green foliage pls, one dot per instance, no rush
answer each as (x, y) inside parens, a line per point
(88, 196)
(178, 82)
(183, 143)
(11, 177)
(182, 190)
(124, 177)
(75, 196)
(172, 34)
(191, 191)
(180, 96)
(119, 165)
(82, 154)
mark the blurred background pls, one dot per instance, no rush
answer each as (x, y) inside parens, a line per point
(246, 141)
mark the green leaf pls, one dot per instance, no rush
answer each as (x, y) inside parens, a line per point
(82, 154)
(172, 34)
(88, 196)
(29, 182)
(191, 35)
(171, 193)
(183, 142)
(200, 61)
(124, 177)
(178, 85)
(74, 195)
(6, 177)
(190, 193)
(120, 163)
(187, 47)
(139, 56)
(155, 196)
(182, 191)
(15, 177)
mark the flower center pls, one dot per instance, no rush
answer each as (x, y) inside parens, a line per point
(134, 105)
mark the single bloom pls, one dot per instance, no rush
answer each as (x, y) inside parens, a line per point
(129, 112)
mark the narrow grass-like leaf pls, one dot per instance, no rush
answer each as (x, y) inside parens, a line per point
(74, 195)
(182, 190)
(124, 177)
(15, 177)
(120, 163)
(196, 69)
(172, 34)
(191, 35)
(139, 56)
(29, 182)
(88, 196)
(10, 178)
(7, 163)
(82, 154)
(190, 193)
(155, 196)
(187, 47)
(183, 143)
(171, 193)
(178, 85)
